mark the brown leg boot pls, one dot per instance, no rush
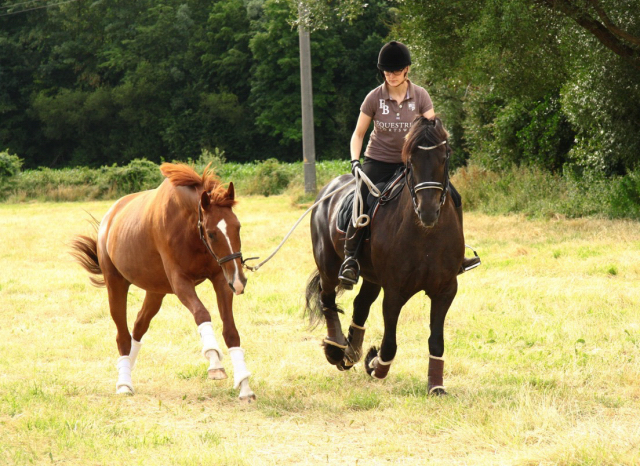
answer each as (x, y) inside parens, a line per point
(468, 263)
(436, 368)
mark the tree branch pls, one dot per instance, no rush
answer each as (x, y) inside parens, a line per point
(604, 35)
(612, 27)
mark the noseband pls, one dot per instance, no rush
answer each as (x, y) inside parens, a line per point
(201, 231)
(444, 187)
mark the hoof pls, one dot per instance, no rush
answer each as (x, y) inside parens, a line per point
(247, 399)
(438, 391)
(344, 365)
(217, 374)
(333, 354)
(372, 353)
(124, 390)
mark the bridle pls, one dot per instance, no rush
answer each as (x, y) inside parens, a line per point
(202, 232)
(444, 187)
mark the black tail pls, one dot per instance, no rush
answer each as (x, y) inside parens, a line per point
(313, 308)
(85, 250)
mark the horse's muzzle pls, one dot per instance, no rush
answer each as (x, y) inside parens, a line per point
(428, 218)
(238, 285)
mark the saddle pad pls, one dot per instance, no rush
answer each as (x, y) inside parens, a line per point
(344, 214)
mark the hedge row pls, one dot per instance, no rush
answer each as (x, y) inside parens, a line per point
(530, 191)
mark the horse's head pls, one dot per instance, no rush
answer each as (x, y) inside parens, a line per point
(220, 231)
(426, 155)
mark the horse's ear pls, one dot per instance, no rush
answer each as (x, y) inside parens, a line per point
(231, 192)
(205, 200)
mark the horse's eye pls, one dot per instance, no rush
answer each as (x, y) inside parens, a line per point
(212, 236)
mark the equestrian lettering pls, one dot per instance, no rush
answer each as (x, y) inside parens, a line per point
(392, 126)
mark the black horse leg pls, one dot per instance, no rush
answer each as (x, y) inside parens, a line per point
(439, 307)
(361, 305)
(378, 363)
(334, 343)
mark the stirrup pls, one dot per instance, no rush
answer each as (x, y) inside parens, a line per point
(472, 262)
(347, 281)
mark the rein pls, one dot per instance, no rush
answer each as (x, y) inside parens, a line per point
(444, 187)
(256, 267)
(228, 258)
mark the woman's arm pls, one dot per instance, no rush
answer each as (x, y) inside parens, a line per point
(357, 138)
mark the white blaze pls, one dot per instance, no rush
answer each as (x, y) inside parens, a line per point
(237, 284)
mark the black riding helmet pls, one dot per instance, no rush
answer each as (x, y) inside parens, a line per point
(394, 56)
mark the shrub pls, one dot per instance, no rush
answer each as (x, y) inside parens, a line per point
(9, 170)
(624, 200)
(138, 175)
(271, 177)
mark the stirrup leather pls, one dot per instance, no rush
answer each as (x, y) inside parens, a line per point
(472, 262)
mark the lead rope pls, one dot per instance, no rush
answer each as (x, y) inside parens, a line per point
(359, 179)
(358, 218)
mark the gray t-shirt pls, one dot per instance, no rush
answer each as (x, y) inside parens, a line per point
(392, 120)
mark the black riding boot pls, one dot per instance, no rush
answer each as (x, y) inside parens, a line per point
(350, 269)
(468, 263)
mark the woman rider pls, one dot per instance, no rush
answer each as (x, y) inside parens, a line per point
(392, 107)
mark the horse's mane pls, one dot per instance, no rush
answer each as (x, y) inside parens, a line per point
(183, 175)
(423, 132)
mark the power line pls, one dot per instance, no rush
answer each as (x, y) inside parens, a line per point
(36, 8)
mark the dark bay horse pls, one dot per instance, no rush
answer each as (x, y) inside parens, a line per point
(168, 240)
(416, 244)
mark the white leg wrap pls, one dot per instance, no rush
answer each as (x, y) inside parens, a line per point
(240, 371)
(210, 348)
(135, 349)
(124, 385)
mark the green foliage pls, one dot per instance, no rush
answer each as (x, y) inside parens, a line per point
(625, 196)
(100, 83)
(503, 133)
(9, 170)
(344, 71)
(9, 166)
(526, 189)
(602, 104)
(540, 194)
(271, 177)
(138, 175)
(521, 82)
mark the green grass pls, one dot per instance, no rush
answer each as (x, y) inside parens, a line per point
(542, 356)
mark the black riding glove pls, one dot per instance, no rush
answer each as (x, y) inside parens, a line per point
(355, 165)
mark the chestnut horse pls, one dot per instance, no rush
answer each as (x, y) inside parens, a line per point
(168, 240)
(416, 244)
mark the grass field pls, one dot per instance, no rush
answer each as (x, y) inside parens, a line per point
(542, 357)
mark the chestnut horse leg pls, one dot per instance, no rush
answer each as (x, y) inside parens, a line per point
(224, 297)
(185, 290)
(150, 307)
(117, 289)
(361, 305)
(439, 307)
(378, 363)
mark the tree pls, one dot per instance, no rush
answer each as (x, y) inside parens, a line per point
(593, 17)
(513, 72)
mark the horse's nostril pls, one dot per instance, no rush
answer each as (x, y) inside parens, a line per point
(232, 288)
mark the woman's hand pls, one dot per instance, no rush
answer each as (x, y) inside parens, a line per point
(355, 166)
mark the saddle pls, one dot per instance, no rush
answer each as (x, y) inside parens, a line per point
(389, 191)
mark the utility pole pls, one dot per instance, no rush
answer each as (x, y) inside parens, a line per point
(308, 139)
